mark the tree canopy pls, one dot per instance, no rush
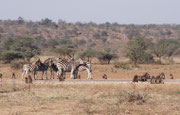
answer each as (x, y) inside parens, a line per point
(19, 48)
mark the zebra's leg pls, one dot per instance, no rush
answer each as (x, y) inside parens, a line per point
(23, 73)
(51, 73)
(72, 74)
(89, 74)
(46, 75)
(64, 75)
(35, 75)
(59, 74)
(42, 75)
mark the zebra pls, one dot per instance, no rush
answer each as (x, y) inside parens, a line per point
(84, 66)
(31, 68)
(53, 68)
(69, 66)
(44, 67)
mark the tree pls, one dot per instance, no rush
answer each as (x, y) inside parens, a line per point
(19, 48)
(136, 51)
(89, 54)
(106, 56)
(66, 49)
(165, 48)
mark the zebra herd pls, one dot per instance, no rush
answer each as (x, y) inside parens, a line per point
(60, 68)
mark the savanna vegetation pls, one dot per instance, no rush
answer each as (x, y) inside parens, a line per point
(21, 39)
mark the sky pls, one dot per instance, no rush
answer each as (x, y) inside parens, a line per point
(98, 11)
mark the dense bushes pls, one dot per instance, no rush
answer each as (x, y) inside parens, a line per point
(19, 48)
(139, 50)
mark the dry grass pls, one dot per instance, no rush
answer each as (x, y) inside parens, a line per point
(89, 99)
(47, 97)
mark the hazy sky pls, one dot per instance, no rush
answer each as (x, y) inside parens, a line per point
(99, 11)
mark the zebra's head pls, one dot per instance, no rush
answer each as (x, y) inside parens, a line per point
(50, 62)
(38, 62)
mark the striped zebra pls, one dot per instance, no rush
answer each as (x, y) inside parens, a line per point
(69, 66)
(82, 67)
(44, 67)
(31, 68)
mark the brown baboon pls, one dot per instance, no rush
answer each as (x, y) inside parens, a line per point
(171, 76)
(159, 81)
(156, 80)
(104, 76)
(144, 77)
(135, 78)
(28, 79)
(79, 76)
(161, 75)
(153, 80)
(13, 76)
(1, 76)
(61, 78)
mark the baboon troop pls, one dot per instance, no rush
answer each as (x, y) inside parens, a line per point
(13, 76)
(28, 79)
(104, 76)
(142, 78)
(1, 76)
(153, 80)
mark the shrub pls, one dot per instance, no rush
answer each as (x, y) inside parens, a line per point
(134, 96)
(137, 51)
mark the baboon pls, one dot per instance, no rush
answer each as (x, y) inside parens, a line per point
(28, 79)
(159, 80)
(171, 76)
(144, 77)
(153, 80)
(156, 80)
(79, 76)
(1, 76)
(104, 76)
(161, 75)
(135, 78)
(13, 76)
(61, 78)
